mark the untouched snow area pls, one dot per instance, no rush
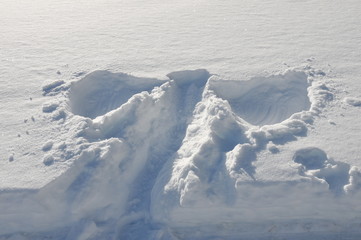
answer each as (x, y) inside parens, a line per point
(177, 120)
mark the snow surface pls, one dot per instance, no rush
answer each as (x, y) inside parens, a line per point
(180, 120)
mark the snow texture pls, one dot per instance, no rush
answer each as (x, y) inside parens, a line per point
(256, 136)
(269, 100)
(353, 101)
(175, 159)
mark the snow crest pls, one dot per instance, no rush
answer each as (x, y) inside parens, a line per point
(177, 159)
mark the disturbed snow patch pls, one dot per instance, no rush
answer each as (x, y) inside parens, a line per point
(316, 165)
(356, 102)
(101, 91)
(266, 100)
(176, 160)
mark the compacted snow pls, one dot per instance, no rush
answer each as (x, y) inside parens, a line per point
(180, 120)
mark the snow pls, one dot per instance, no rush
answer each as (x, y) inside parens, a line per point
(180, 120)
(52, 86)
(102, 91)
(353, 101)
(262, 101)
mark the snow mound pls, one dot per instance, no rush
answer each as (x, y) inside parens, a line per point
(102, 91)
(198, 77)
(266, 100)
(178, 159)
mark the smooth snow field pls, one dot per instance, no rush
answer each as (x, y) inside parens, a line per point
(180, 120)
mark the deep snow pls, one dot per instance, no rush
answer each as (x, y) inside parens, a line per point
(101, 140)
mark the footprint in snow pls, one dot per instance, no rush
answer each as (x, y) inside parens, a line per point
(356, 102)
(47, 146)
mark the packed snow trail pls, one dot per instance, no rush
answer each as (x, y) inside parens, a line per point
(178, 159)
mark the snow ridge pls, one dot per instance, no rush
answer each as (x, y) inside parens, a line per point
(177, 159)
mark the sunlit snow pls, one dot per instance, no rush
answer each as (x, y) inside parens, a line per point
(170, 120)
